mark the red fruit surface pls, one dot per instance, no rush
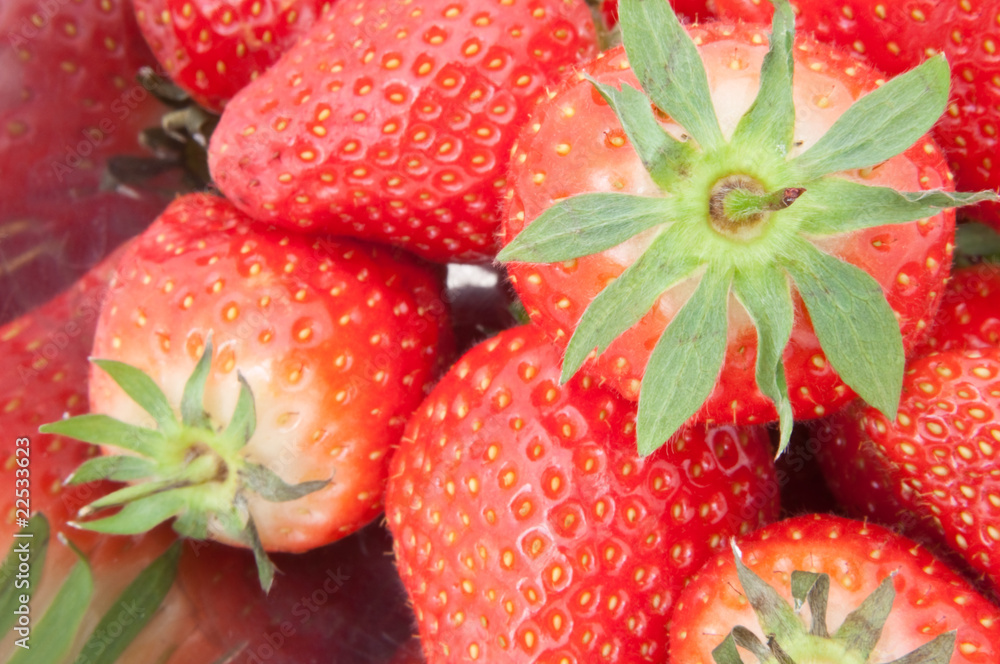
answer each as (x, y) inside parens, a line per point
(969, 316)
(895, 36)
(214, 50)
(580, 147)
(394, 121)
(337, 340)
(930, 598)
(932, 471)
(694, 11)
(527, 527)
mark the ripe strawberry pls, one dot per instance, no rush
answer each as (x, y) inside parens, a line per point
(969, 317)
(694, 11)
(895, 36)
(306, 355)
(213, 51)
(68, 103)
(393, 121)
(932, 470)
(527, 528)
(744, 261)
(885, 596)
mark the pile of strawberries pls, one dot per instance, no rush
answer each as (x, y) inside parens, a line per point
(728, 389)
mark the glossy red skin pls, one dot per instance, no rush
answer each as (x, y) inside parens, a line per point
(212, 50)
(695, 11)
(556, 295)
(508, 487)
(339, 603)
(894, 37)
(68, 101)
(930, 598)
(969, 316)
(932, 472)
(405, 141)
(336, 338)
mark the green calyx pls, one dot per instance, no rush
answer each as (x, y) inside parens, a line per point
(186, 470)
(741, 216)
(791, 641)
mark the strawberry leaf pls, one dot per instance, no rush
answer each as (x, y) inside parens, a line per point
(815, 589)
(52, 637)
(144, 391)
(726, 652)
(938, 651)
(767, 298)
(104, 430)
(862, 627)
(685, 363)
(140, 602)
(584, 225)
(244, 421)
(880, 125)
(117, 468)
(628, 298)
(266, 483)
(855, 325)
(666, 158)
(653, 36)
(38, 527)
(142, 514)
(192, 411)
(773, 612)
(770, 121)
(833, 205)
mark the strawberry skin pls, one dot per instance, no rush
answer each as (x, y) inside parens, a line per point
(932, 471)
(895, 36)
(526, 526)
(580, 134)
(969, 317)
(336, 340)
(393, 121)
(212, 51)
(930, 598)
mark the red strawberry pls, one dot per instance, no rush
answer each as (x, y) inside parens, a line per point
(881, 595)
(306, 355)
(528, 529)
(213, 50)
(931, 471)
(393, 121)
(895, 36)
(738, 252)
(694, 11)
(45, 367)
(69, 101)
(970, 311)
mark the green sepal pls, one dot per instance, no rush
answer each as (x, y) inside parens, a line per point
(726, 652)
(192, 409)
(267, 484)
(99, 429)
(53, 635)
(665, 158)
(244, 421)
(938, 651)
(879, 125)
(144, 391)
(854, 323)
(814, 589)
(131, 493)
(862, 627)
(10, 594)
(767, 298)
(192, 524)
(773, 612)
(586, 224)
(975, 242)
(141, 514)
(653, 36)
(770, 121)
(747, 640)
(251, 538)
(628, 298)
(117, 468)
(140, 600)
(833, 205)
(684, 366)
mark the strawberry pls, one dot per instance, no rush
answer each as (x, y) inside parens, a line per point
(527, 528)
(305, 357)
(393, 121)
(691, 10)
(212, 50)
(895, 36)
(45, 365)
(741, 245)
(881, 596)
(969, 317)
(931, 470)
(69, 103)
